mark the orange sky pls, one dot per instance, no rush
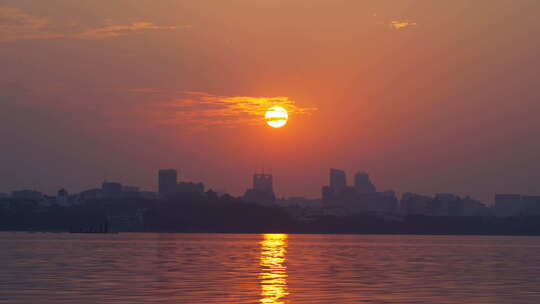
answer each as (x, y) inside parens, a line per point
(427, 96)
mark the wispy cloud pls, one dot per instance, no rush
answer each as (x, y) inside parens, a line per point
(401, 24)
(110, 31)
(203, 110)
(16, 24)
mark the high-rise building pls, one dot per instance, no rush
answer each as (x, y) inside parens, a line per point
(337, 185)
(167, 180)
(363, 184)
(62, 198)
(338, 180)
(263, 183)
(262, 191)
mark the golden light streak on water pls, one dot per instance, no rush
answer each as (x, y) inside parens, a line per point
(273, 270)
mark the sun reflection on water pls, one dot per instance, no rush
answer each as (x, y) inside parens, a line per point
(273, 274)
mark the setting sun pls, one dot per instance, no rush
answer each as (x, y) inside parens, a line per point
(276, 117)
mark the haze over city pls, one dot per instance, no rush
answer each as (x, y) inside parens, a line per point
(426, 96)
(269, 151)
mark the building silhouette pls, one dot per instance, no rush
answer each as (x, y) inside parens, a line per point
(443, 204)
(341, 199)
(167, 182)
(337, 190)
(111, 189)
(62, 197)
(338, 180)
(132, 192)
(414, 204)
(171, 188)
(91, 194)
(530, 205)
(27, 195)
(363, 184)
(189, 188)
(507, 205)
(262, 190)
(263, 182)
(514, 204)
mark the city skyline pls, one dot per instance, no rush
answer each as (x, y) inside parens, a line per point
(339, 199)
(269, 151)
(169, 182)
(86, 96)
(172, 177)
(337, 179)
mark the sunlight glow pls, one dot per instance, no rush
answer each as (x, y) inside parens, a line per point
(276, 117)
(273, 273)
(401, 24)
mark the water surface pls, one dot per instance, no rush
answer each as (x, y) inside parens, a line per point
(273, 268)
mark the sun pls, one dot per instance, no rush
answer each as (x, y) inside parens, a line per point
(276, 117)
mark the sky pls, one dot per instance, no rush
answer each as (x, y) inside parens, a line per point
(425, 96)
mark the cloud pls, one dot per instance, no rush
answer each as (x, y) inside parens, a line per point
(121, 30)
(402, 24)
(203, 110)
(15, 24)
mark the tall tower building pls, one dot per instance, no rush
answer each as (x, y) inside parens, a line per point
(262, 191)
(167, 180)
(363, 184)
(263, 183)
(338, 180)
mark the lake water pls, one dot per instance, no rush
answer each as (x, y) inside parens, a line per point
(273, 268)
